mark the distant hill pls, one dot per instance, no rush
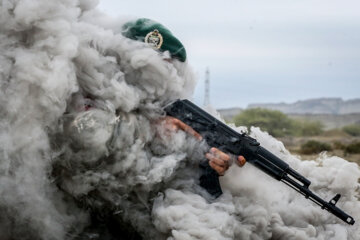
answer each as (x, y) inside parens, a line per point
(314, 106)
(332, 112)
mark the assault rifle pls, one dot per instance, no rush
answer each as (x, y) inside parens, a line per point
(219, 135)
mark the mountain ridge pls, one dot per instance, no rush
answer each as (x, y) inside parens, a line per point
(332, 112)
(314, 106)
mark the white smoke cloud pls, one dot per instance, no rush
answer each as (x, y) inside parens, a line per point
(79, 135)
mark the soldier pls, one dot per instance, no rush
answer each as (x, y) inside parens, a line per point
(161, 40)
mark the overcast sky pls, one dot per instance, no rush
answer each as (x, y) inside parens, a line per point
(262, 51)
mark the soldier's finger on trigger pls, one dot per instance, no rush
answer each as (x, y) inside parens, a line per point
(220, 154)
(212, 158)
(217, 168)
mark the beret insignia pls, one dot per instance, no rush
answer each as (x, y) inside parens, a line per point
(155, 39)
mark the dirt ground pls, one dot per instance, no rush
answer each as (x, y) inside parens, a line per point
(293, 145)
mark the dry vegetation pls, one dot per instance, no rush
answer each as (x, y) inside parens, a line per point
(335, 138)
(303, 137)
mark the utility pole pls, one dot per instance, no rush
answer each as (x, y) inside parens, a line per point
(207, 88)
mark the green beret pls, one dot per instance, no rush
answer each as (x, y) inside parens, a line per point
(157, 35)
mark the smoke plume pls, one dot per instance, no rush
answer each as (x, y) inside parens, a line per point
(80, 137)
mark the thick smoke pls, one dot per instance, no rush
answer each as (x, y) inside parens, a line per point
(80, 137)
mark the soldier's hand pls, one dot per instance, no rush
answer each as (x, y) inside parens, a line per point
(174, 124)
(220, 161)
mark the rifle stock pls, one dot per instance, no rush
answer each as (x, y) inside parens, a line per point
(219, 135)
